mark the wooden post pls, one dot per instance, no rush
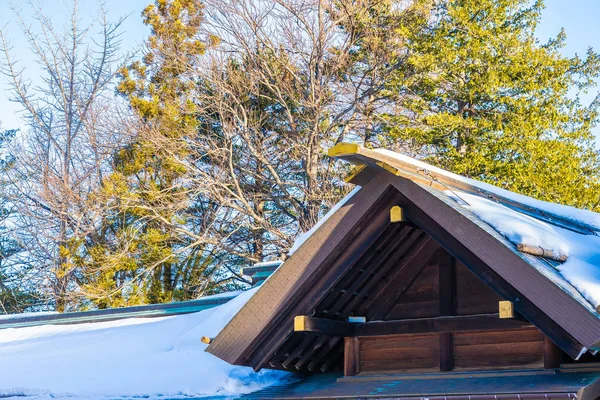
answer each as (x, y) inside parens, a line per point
(552, 354)
(447, 284)
(351, 356)
(446, 357)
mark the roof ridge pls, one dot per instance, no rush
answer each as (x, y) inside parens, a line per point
(424, 173)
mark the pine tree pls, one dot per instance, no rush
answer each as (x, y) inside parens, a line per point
(478, 94)
(145, 195)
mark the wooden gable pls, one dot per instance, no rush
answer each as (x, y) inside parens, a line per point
(427, 287)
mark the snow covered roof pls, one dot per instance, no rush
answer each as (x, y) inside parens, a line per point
(534, 228)
(584, 221)
(566, 232)
(113, 314)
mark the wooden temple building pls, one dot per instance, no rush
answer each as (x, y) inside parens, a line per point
(402, 293)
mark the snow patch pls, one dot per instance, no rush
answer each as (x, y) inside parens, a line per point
(582, 268)
(585, 217)
(135, 357)
(516, 227)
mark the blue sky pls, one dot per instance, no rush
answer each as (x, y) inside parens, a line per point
(578, 17)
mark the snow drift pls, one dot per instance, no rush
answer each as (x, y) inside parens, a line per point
(135, 357)
(582, 268)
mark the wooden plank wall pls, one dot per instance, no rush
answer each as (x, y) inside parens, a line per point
(445, 287)
(481, 350)
(472, 295)
(423, 297)
(399, 353)
(486, 350)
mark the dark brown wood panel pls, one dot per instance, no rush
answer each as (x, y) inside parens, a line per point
(302, 301)
(473, 296)
(446, 358)
(498, 350)
(421, 299)
(447, 282)
(402, 353)
(351, 356)
(561, 317)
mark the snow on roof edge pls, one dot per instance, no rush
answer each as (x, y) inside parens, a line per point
(575, 214)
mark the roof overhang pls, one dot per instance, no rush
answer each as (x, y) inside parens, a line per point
(267, 320)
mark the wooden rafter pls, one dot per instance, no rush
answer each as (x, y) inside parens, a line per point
(356, 275)
(400, 278)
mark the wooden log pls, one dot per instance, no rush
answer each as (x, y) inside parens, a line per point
(446, 357)
(541, 252)
(206, 339)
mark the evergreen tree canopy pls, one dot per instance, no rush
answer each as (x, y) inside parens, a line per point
(145, 196)
(478, 94)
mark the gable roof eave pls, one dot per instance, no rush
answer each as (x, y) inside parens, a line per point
(567, 311)
(369, 161)
(417, 173)
(262, 316)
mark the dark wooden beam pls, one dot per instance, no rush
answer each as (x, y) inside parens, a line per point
(446, 357)
(447, 267)
(351, 356)
(438, 324)
(304, 323)
(407, 326)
